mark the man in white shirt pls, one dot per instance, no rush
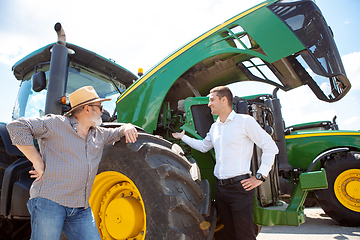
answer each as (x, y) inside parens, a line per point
(233, 136)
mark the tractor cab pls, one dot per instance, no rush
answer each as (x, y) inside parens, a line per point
(84, 68)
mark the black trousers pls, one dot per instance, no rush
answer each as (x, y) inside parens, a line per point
(236, 209)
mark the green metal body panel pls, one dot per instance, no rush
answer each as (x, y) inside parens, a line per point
(292, 213)
(313, 180)
(305, 124)
(303, 147)
(146, 95)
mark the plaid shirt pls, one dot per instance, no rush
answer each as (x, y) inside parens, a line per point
(71, 162)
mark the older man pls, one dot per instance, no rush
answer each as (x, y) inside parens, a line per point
(71, 147)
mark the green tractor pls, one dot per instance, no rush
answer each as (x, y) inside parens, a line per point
(159, 188)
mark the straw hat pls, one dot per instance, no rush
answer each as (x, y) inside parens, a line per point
(84, 96)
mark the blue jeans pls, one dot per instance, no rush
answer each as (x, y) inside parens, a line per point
(49, 219)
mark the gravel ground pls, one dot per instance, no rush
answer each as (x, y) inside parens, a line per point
(317, 226)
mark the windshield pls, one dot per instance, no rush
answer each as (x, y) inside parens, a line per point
(32, 104)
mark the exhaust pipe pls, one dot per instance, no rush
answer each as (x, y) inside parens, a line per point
(61, 34)
(58, 73)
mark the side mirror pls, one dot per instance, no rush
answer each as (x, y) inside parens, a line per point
(38, 81)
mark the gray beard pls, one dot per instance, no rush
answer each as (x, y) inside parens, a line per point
(97, 120)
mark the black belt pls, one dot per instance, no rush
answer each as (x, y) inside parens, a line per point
(223, 182)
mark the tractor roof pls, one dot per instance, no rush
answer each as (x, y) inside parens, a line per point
(82, 56)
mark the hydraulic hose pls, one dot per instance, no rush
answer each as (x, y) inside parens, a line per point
(280, 136)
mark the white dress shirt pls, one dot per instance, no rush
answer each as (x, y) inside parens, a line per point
(233, 142)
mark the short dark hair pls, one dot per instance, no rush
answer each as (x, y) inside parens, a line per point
(221, 92)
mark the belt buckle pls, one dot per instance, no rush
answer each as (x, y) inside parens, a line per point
(220, 182)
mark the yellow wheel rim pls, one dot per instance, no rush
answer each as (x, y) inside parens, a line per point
(118, 207)
(347, 189)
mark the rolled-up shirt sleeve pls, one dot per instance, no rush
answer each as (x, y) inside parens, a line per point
(113, 134)
(23, 131)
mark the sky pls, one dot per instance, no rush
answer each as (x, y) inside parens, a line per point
(141, 33)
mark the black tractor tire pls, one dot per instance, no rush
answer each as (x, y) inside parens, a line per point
(11, 229)
(172, 205)
(341, 199)
(14, 229)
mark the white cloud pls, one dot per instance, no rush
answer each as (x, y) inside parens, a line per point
(301, 105)
(351, 120)
(141, 33)
(10, 49)
(133, 33)
(352, 67)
